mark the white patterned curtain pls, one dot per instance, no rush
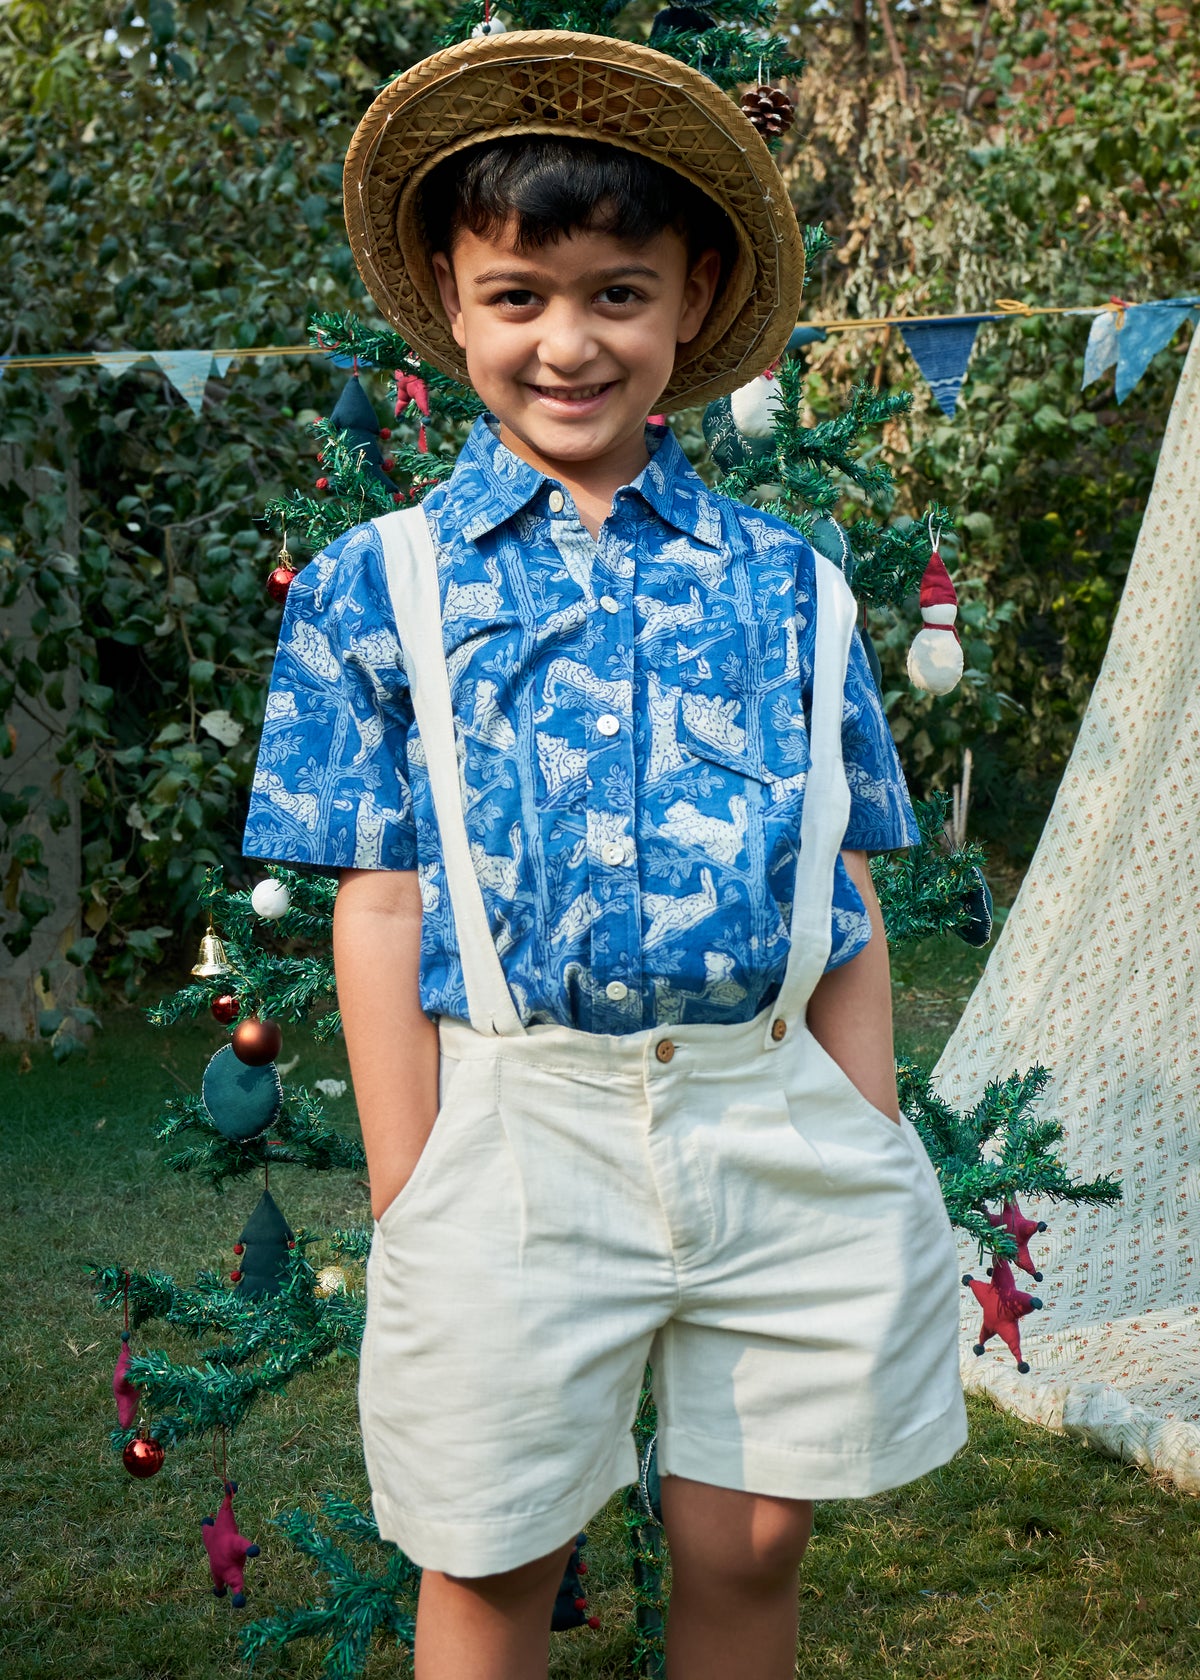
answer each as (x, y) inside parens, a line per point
(1095, 976)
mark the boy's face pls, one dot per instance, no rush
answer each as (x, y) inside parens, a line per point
(572, 345)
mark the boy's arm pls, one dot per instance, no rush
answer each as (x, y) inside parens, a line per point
(392, 1044)
(850, 1012)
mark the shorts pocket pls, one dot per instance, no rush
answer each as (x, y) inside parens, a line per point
(434, 1149)
(838, 1076)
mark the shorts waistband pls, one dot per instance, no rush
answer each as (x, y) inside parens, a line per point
(712, 1043)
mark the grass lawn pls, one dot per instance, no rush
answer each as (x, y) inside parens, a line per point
(1027, 1556)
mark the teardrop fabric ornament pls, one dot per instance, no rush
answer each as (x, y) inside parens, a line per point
(242, 1101)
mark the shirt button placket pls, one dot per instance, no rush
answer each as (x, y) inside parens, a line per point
(616, 965)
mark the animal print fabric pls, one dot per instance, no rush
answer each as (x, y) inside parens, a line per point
(1095, 977)
(632, 737)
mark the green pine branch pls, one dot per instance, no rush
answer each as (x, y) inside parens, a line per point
(925, 890)
(298, 1136)
(889, 559)
(357, 1604)
(1001, 1148)
(267, 1340)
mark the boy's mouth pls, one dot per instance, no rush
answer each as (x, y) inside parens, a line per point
(572, 393)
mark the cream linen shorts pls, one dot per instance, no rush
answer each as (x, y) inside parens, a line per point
(741, 1218)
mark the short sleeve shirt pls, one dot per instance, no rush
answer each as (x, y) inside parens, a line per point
(632, 720)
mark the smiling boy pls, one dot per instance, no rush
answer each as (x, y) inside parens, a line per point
(597, 755)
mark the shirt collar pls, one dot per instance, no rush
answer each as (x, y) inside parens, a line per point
(490, 484)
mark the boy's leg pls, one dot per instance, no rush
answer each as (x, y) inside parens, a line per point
(496, 1627)
(734, 1558)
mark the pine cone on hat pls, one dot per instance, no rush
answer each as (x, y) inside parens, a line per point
(769, 109)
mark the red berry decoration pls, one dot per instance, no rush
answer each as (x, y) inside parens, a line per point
(224, 1009)
(385, 432)
(769, 109)
(322, 483)
(279, 582)
(388, 463)
(257, 1042)
(239, 1248)
(235, 1276)
(143, 1457)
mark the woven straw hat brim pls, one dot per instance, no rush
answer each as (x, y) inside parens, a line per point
(588, 87)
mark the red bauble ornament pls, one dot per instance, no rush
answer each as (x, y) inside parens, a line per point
(322, 483)
(235, 1276)
(279, 582)
(385, 432)
(257, 1042)
(143, 1457)
(239, 1248)
(388, 463)
(224, 1009)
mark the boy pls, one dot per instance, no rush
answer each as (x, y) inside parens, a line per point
(604, 888)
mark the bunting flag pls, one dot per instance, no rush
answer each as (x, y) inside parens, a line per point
(1101, 351)
(942, 349)
(188, 372)
(1148, 328)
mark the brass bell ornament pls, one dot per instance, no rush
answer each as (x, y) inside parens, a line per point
(212, 962)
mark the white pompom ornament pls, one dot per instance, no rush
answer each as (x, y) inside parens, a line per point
(271, 899)
(754, 407)
(935, 659)
(489, 26)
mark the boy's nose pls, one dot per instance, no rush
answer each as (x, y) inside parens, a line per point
(567, 341)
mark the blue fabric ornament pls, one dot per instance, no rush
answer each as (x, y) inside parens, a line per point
(241, 1101)
(978, 930)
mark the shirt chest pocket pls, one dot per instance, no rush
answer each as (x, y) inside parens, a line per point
(741, 701)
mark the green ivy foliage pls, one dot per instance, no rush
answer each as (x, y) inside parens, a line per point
(169, 179)
(1045, 153)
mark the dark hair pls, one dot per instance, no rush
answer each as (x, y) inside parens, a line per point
(554, 186)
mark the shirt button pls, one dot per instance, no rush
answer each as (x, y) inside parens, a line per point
(609, 605)
(557, 501)
(607, 724)
(616, 991)
(613, 851)
(778, 1029)
(664, 1049)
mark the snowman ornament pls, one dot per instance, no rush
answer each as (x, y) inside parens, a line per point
(935, 659)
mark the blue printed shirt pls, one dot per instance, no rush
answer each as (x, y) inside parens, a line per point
(631, 713)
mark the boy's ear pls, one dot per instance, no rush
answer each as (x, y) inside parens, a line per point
(448, 291)
(699, 289)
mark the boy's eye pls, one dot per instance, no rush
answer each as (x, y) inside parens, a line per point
(618, 294)
(515, 299)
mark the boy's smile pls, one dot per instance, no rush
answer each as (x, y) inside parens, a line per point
(571, 345)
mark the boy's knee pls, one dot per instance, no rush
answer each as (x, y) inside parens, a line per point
(746, 1541)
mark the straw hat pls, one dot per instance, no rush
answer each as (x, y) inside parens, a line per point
(589, 87)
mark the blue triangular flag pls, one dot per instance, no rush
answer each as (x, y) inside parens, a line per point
(1101, 350)
(942, 349)
(1148, 328)
(188, 371)
(222, 365)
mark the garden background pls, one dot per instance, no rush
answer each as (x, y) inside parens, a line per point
(169, 176)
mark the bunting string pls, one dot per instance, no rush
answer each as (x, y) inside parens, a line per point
(1123, 334)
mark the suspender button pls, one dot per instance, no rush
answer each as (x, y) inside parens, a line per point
(778, 1028)
(664, 1049)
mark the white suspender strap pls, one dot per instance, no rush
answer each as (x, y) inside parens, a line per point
(410, 563)
(826, 810)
